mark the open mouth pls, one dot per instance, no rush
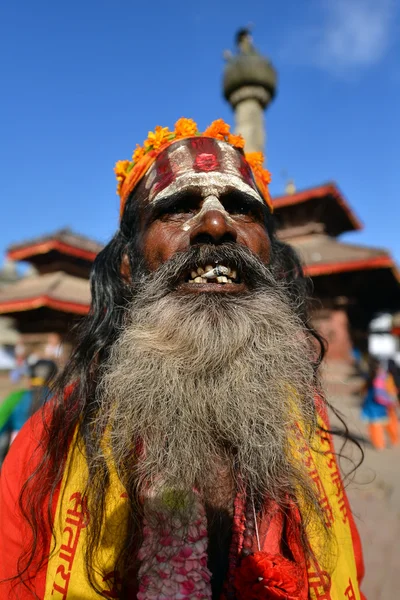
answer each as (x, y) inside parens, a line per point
(214, 274)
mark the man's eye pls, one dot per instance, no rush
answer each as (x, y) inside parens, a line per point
(186, 206)
(240, 209)
(235, 204)
(179, 209)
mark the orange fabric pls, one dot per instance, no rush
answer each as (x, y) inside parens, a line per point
(392, 427)
(377, 435)
(20, 461)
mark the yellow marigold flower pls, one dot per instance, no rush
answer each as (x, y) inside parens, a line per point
(138, 153)
(156, 138)
(236, 140)
(218, 130)
(185, 128)
(120, 181)
(120, 172)
(120, 168)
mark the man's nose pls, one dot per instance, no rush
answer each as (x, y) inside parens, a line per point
(213, 227)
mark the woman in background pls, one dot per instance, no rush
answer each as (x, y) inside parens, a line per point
(379, 409)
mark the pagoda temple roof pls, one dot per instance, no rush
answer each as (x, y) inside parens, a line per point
(59, 291)
(64, 241)
(325, 203)
(323, 255)
(364, 279)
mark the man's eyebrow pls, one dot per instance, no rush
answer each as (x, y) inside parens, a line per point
(239, 195)
(165, 203)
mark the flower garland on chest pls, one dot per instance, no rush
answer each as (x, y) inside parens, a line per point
(173, 555)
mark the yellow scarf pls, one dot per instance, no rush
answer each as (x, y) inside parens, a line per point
(66, 577)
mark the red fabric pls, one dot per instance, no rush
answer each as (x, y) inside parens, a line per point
(264, 576)
(21, 460)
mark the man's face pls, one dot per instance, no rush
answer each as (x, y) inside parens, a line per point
(198, 193)
(206, 379)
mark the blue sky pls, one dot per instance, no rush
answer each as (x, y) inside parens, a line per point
(82, 82)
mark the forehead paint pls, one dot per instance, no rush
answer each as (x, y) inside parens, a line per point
(210, 165)
(167, 168)
(208, 184)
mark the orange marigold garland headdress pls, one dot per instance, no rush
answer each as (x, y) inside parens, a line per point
(129, 172)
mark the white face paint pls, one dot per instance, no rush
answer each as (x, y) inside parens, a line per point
(210, 184)
(211, 202)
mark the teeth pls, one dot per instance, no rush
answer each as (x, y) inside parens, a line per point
(219, 273)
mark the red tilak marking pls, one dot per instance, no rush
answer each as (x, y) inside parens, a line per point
(206, 162)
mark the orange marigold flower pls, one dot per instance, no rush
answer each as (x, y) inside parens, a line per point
(218, 130)
(185, 127)
(156, 138)
(266, 176)
(138, 153)
(236, 140)
(255, 159)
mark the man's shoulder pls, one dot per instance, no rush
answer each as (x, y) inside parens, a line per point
(24, 456)
(26, 449)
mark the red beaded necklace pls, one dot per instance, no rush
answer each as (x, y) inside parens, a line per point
(242, 540)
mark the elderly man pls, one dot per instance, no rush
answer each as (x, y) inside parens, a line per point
(186, 452)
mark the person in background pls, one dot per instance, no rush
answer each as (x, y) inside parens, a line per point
(21, 368)
(394, 370)
(24, 402)
(379, 409)
(54, 349)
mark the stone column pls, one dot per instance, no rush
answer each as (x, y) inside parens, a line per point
(249, 86)
(248, 103)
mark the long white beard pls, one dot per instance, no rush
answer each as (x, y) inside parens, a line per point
(202, 380)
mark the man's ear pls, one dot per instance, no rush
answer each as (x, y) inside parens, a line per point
(126, 269)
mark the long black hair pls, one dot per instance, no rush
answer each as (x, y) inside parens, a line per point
(77, 408)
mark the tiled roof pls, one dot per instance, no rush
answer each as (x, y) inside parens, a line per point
(322, 255)
(62, 240)
(337, 213)
(55, 290)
